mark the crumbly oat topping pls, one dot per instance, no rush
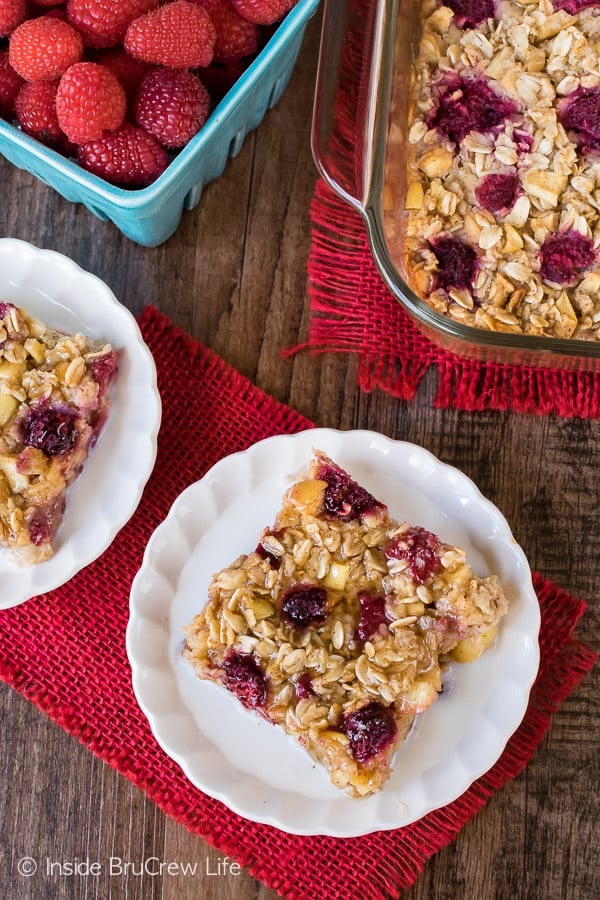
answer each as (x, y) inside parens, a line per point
(53, 403)
(504, 157)
(336, 626)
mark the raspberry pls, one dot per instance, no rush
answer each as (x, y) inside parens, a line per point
(180, 35)
(51, 13)
(457, 263)
(50, 429)
(304, 605)
(579, 112)
(244, 678)
(574, 6)
(372, 615)
(5, 307)
(469, 13)
(219, 78)
(35, 110)
(42, 520)
(344, 497)
(468, 104)
(12, 13)
(264, 553)
(565, 255)
(128, 70)
(42, 49)
(171, 105)
(523, 140)
(262, 12)
(104, 368)
(128, 157)
(498, 192)
(49, 2)
(89, 102)
(236, 37)
(370, 730)
(303, 686)
(103, 23)
(10, 85)
(420, 549)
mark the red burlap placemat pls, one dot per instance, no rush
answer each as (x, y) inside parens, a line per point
(209, 410)
(352, 311)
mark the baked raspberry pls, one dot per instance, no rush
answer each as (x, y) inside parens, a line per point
(89, 101)
(523, 140)
(304, 605)
(10, 85)
(372, 615)
(171, 105)
(104, 369)
(579, 113)
(344, 497)
(574, 6)
(4, 308)
(565, 255)
(42, 49)
(303, 686)
(12, 13)
(469, 13)
(264, 553)
(457, 262)
(420, 549)
(129, 157)
(35, 111)
(498, 192)
(180, 35)
(50, 429)
(262, 12)
(370, 730)
(236, 37)
(103, 23)
(42, 521)
(244, 678)
(468, 104)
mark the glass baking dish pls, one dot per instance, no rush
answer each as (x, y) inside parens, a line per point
(365, 63)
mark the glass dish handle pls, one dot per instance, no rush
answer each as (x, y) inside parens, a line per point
(346, 111)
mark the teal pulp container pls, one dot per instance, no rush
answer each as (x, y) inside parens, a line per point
(150, 215)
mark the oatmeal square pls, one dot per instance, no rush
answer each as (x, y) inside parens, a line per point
(54, 400)
(337, 625)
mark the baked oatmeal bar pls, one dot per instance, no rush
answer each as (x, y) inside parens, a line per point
(336, 626)
(502, 222)
(54, 399)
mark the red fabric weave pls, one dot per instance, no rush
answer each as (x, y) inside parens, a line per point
(209, 410)
(354, 312)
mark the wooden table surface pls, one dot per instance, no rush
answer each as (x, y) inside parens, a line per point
(234, 276)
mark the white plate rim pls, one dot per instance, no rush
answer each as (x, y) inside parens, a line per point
(168, 716)
(54, 288)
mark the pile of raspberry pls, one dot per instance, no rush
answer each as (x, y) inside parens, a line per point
(122, 85)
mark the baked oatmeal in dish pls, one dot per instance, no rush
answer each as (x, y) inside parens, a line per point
(54, 400)
(500, 227)
(337, 625)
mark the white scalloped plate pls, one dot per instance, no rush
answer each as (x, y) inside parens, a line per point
(56, 290)
(237, 757)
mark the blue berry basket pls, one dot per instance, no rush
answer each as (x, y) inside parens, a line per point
(151, 215)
